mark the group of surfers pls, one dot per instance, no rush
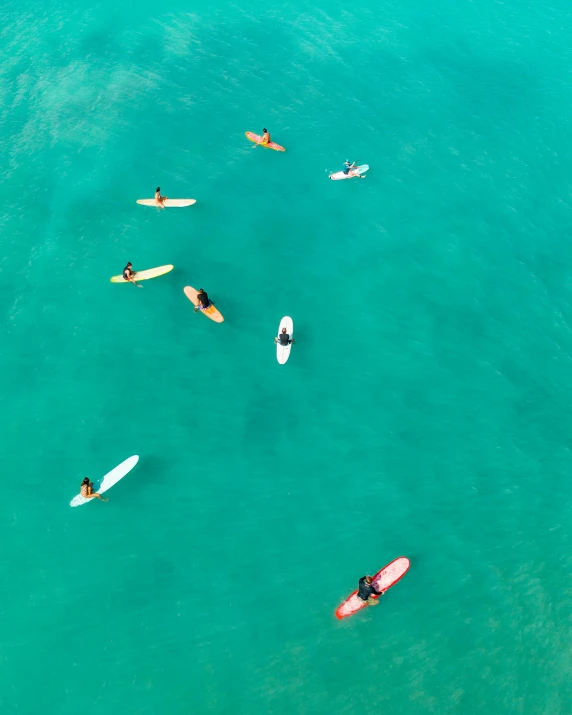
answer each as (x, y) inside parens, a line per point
(366, 590)
(349, 169)
(129, 275)
(202, 296)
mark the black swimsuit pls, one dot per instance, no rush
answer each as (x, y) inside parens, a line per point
(366, 590)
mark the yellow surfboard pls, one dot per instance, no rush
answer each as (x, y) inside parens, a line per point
(211, 312)
(145, 275)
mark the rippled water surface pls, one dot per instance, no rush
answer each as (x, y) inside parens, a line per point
(425, 409)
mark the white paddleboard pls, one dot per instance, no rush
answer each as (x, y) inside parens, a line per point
(283, 351)
(357, 171)
(108, 480)
(168, 203)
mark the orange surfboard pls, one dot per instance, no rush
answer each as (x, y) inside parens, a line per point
(257, 139)
(211, 312)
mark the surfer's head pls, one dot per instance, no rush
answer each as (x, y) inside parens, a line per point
(368, 580)
(265, 130)
(158, 189)
(129, 264)
(283, 330)
(85, 482)
(201, 290)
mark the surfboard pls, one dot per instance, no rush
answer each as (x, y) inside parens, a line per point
(211, 312)
(168, 203)
(145, 275)
(358, 171)
(257, 139)
(384, 579)
(283, 351)
(108, 480)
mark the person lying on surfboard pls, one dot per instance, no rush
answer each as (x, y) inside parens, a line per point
(86, 490)
(284, 338)
(129, 275)
(160, 200)
(265, 137)
(366, 591)
(203, 299)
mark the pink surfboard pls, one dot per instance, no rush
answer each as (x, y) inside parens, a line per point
(384, 579)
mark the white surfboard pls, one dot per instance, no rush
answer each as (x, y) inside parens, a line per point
(283, 351)
(108, 480)
(356, 171)
(168, 203)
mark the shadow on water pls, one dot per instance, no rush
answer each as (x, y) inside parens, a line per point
(153, 470)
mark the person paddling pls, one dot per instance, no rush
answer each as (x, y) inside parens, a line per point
(129, 275)
(160, 200)
(367, 591)
(284, 338)
(86, 490)
(203, 298)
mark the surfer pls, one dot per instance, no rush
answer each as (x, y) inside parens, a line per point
(284, 338)
(86, 490)
(348, 168)
(129, 275)
(160, 200)
(203, 299)
(366, 591)
(265, 137)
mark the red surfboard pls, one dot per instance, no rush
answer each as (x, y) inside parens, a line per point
(384, 579)
(258, 140)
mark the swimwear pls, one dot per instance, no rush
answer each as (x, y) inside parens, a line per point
(365, 590)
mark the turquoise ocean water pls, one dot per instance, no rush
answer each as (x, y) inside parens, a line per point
(425, 410)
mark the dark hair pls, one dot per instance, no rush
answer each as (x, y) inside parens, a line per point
(129, 263)
(265, 130)
(201, 290)
(158, 188)
(368, 579)
(85, 481)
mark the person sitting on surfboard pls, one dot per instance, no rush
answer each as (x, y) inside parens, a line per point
(366, 591)
(160, 200)
(203, 299)
(283, 338)
(87, 492)
(265, 137)
(348, 167)
(129, 275)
